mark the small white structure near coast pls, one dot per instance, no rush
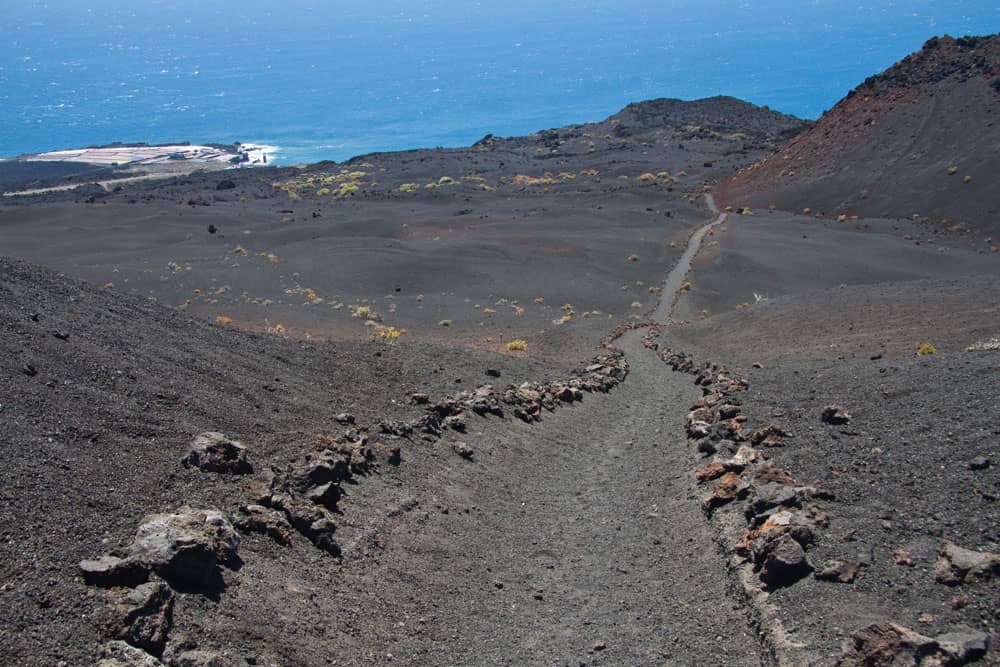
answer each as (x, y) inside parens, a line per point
(238, 155)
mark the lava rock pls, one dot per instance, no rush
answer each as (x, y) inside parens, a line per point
(979, 463)
(957, 565)
(119, 654)
(259, 519)
(835, 415)
(784, 562)
(205, 659)
(771, 495)
(110, 571)
(142, 617)
(890, 644)
(463, 450)
(840, 571)
(225, 184)
(964, 646)
(456, 422)
(214, 452)
(185, 545)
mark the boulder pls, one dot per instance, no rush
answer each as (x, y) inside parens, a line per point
(259, 519)
(964, 645)
(111, 571)
(141, 616)
(728, 411)
(957, 565)
(835, 415)
(890, 644)
(463, 450)
(698, 429)
(724, 492)
(839, 571)
(214, 452)
(324, 467)
(456, 422)
(783, 562)
(771, 495)
(185, 545)
(344, 418)
(119, 654)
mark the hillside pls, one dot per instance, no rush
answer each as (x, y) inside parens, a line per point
(919, 139)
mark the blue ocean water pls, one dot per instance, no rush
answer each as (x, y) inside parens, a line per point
(330, 80)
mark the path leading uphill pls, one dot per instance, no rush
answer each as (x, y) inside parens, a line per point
(577, 540)
(675, 279)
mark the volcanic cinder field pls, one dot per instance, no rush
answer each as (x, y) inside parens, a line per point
(699, 384)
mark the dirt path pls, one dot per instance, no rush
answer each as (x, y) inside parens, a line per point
(578, 540)
(578, 530)
(675, 279)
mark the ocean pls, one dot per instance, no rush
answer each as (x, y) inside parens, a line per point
(331, 80)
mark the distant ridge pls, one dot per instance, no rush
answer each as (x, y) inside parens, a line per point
(920, 139)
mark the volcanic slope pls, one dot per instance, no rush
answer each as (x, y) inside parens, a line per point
(476, 246)
(916, 141)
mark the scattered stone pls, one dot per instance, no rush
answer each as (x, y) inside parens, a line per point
(344, 418)
(61, 335)
(185, 545)
(205, 659)
(463, 450)
(769, 474)
(326, 466)
(600, 646)
(492, 372)
(456, 422)
(110, 571)
(769, 436)
(141, 616)
(713, 470)
(957, 565)
(120, 654)
(926, 618)
(225, 184)
(29, 370)
(964, 646)
(979, 463)
(724, 492)
(420, 399)
(259, 519)
(429, 424)
(728, 411)
(698, 429)
(214, 452)
(890, 644)
(784, 562)
(771, 495)
(960, 602)
(902, 557)
(835, 415)
(841, 571)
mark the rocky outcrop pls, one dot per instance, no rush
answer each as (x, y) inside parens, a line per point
(142, 617)
(214, 452)
(959, 566)
(891, 644)
(186, 545)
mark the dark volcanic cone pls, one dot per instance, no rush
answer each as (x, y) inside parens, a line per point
(919, 139)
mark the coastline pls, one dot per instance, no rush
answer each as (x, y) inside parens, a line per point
(119, 163)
